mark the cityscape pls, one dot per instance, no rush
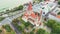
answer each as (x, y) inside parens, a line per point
(30, 17)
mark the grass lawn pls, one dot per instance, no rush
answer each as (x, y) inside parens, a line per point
(12, 32)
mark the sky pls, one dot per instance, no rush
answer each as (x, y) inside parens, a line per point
(11, 3)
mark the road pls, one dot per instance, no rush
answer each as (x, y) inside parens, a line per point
(9, 19)
(15, 29)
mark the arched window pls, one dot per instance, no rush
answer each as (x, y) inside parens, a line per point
(46, 0)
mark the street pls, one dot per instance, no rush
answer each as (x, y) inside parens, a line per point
(8, 20)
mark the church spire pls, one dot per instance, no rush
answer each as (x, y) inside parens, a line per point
(30, 6)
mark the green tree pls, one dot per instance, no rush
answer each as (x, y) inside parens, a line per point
(41, 31)
(59, 2)
(32, 32)
(50, 23)
(19, 8)
(55, 26)
(8, 28)
(58, 13)
(0, 31)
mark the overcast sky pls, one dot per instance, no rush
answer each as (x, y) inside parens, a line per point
(11, 3)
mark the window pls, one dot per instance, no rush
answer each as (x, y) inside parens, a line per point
(43, 12)
(43, 8)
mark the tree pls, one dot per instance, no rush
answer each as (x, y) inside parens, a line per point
(41, 31)
(0, 31)
(27, 24)
(55, 26)
(19, 28)
(59, 2)
(19, 8)
(32, 32)
(2, 18)
(50, 23)
(58, 13)
(8, 28)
